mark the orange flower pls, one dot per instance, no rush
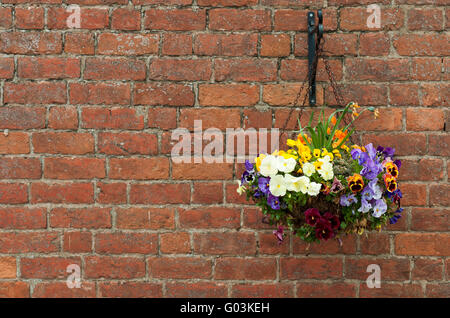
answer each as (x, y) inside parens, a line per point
(333, 120)
(339, 134)
(390, 182)
(355, 183)
(391, 169)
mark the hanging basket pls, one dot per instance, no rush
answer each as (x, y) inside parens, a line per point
(323, 186)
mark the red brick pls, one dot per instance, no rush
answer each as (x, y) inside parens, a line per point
(129, 289)
(365, 94)
(175, 19)
(114, 267)
(283, 94)
(74, 168)
(414, 194)
(92, 218)
(14, 289)
(389, 119)
(229, 243)
(210, 117)
(47, 267)
(125, 19)
(439, 194)
(139, 168)
(226, 3)
(114, 69)
(420, 119)
(426, 68)
(100, 93)
(326, 290)
(404, 143)
(344, 44)
(234, 19)
(177, 44)
(202, 171)
(20, 168)
(146, 218)
(245, 70)
(439, 145)
(29, 242)
(232, 196)
(175, 243)
(296, 70)
(374, 243)
(162, 118)
(404, 94)
(124, 243)
(14, 143)
(77, 242)
(255, 118)
(329, 247)
(440, 290)
(112, 118)
(29, 18)
(160, 193)
(228, 94)
(226, 44)
(374, 44)
(435, 94)
(390, 290)
(90, 18)
(162, 2)
(62, 193)
(8, 267)
(429, 219)
(296, 20)
(63, 118)
(179, 267)
(245, 269)
(425, 19)
(180, 70)
(23, 218)
(207, 192)
(6, 67)
(63, 143)
(5, 17)
(60, 290)
(422, 170)
(427, 269)
(422, 244)
(275, 45)
(355, 19)
(205, 218)
(127, 143)
(163, 94)
(34, 93)
(421, 44)
(111, 193)
(79, 43)
(127, 44)
(279, 290)
(391, 269)
(196, 290)
(377, 70)
(310, 268)
(30, 43)
(268, 244)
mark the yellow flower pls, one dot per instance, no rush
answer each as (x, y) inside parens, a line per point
(337, 153)
(345, 148)
(318, 164)
(360, 230)
(291, 143)
(316, 153)
(258, 160)
(324, 152)
(376, 113)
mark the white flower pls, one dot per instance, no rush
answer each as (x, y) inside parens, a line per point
(308, 169)
(296, 184)
(314, 188)
(240, 188)
(326, 171)
(277, 185)
(268, 166)
(286, 165)
(325, 159)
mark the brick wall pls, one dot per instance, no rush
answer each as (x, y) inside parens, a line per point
(86, 117)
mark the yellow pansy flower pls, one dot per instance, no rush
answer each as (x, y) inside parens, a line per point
(258, 160)
(316, 153)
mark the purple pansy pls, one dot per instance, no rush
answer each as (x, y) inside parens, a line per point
(379, 208)
(273, 201)
(359, 155)
(263, 185)
(365, 206)
(347, 200)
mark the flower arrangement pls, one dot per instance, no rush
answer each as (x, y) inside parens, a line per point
(323, 187)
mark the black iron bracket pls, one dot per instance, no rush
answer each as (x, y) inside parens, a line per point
(315, 34)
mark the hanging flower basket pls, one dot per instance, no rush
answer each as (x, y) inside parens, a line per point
(323, 186)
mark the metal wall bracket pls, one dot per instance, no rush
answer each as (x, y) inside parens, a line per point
(315, 34)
